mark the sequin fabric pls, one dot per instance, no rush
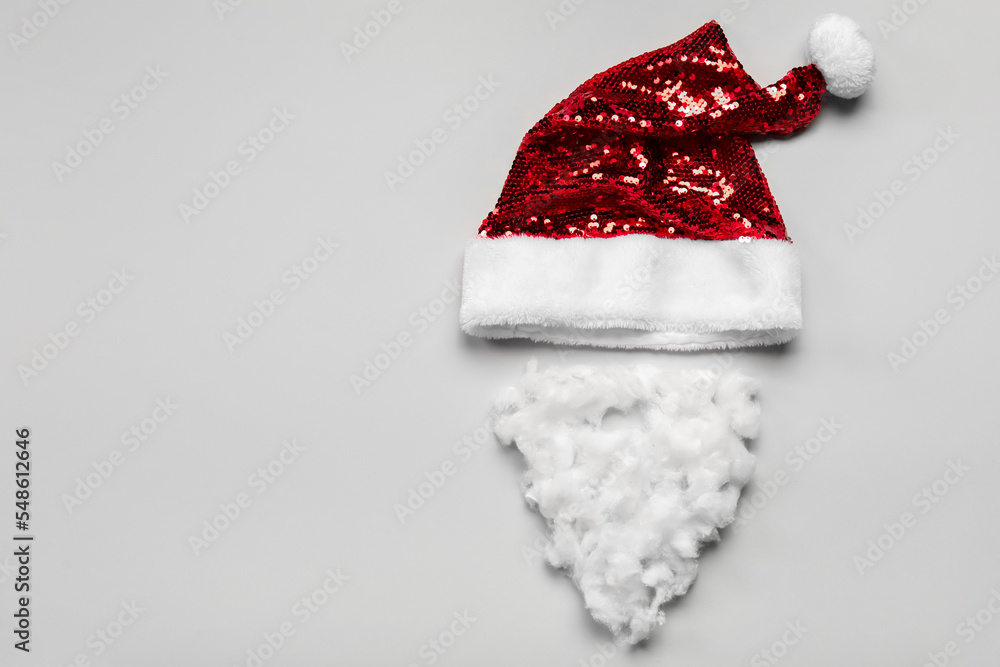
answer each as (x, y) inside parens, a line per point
(657, 145)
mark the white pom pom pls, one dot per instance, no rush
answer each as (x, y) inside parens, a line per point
(843, 54)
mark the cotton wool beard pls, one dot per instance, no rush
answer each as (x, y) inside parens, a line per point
(630, 500)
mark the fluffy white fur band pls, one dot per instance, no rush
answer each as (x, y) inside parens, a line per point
(630, 503)
(629, 291)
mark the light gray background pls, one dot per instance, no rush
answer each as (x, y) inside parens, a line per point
(468, 548)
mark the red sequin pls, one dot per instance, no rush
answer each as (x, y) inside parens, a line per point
(657, 145)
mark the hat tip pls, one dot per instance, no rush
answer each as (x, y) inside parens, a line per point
(840, 50)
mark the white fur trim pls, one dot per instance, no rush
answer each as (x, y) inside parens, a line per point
(633, 469)
(632, 291)
(843, 54)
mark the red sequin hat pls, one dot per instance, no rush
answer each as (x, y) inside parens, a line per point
(635, 213)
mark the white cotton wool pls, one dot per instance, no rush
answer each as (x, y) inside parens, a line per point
(634, 469)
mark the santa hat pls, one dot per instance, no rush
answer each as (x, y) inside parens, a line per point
(635, 213)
